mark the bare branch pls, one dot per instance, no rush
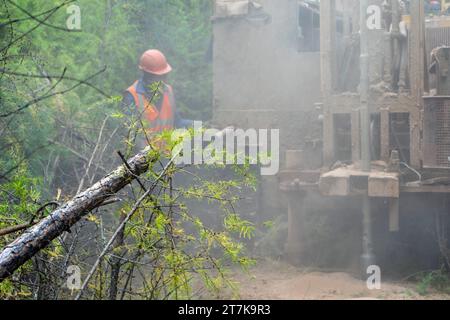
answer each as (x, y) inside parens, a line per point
(40, 236)
(44, 97)
(120, 228)
(51, 77)
(31, 16)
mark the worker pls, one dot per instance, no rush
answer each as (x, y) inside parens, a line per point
(151, 98)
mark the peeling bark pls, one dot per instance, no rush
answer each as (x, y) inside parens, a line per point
(39, 236)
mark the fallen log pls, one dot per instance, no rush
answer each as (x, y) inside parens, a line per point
(41, 235)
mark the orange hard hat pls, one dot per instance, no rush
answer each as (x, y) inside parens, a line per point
(154, 61)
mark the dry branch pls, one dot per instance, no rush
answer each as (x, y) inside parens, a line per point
(39, 236)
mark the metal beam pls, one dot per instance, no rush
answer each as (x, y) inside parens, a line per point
(367, 257)
(327, 62)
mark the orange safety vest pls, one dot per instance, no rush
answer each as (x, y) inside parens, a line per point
(157, 121)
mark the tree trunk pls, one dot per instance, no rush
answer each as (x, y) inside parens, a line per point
(38, 237)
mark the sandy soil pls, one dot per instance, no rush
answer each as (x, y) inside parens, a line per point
(276, 280)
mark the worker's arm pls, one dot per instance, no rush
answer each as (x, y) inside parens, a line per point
(179, 121)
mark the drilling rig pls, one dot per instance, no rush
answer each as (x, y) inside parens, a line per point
(386, 127)
(379, 75)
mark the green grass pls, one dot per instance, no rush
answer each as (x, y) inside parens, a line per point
(438, 280)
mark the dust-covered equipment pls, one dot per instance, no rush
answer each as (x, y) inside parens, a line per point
(388, 136)
(384, 131)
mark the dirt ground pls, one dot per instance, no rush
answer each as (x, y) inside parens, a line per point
(279, 281)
